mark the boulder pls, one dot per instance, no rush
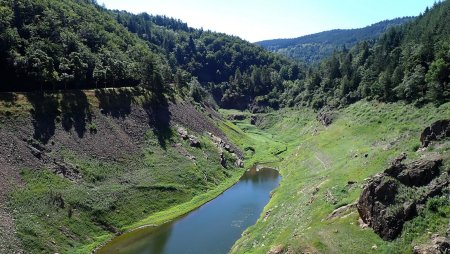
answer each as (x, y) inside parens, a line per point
(183, 133)
(438, 245)
(236, 117)
(325, 116)
(194, 142)
(223, 161)
(373, 206)
(253, 120)
(276, 249)
(417, 173)
(377, 205)
(239, 163)
(437, 131)
(228, 148)
(36, 153)
(396, 165)
(340, 211)
(420, 172)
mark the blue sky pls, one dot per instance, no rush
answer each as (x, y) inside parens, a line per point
(256, 20)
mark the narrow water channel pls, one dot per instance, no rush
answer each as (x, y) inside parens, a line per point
(212, 228)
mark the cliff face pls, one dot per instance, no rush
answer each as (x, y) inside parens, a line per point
(399, 194)
(385, 204)
(92, 152)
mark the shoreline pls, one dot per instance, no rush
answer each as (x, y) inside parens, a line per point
(170, 214)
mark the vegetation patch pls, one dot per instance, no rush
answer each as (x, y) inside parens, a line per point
(331, 161)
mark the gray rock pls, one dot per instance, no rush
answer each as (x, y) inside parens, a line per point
(223, 161)
(420, 172)
(377, 205)
(36, 153)
(239, 163)
(228, 148)
(325, 116)
(183, 133)
(236, 117)
(194, 142)
(437, 131)
(438, 245)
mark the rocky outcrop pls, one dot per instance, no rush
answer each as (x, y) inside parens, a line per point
(438, 245)
(325, 116)
(193, 140)
(341, 211)
(417, 173)
(383, 208)
(236, 117)
(372, 207)
(278, 249)
(183, 133)
(253, 120)
(437, 131)
(223, 146)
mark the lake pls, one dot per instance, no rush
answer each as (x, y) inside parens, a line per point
(212, 228)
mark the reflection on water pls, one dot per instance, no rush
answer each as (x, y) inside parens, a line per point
(212, 228)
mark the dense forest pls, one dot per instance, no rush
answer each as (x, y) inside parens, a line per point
(52, 45)
(409, 62)
(234, 70)
(314, 48)
(48, 45)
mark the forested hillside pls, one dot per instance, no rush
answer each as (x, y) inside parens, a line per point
(409, 62)
(48, 45)
(54, 45)
(316, 47)
(234, 70)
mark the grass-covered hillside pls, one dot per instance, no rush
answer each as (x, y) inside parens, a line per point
(79, 167)
(324, 168)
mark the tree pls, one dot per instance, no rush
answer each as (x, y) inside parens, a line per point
(151, 75)
(438, 77)
(413, 86)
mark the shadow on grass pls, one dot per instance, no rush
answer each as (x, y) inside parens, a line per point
(159, 118)
(44, 113)
(8, 97)
(116, 103)
(75, 111)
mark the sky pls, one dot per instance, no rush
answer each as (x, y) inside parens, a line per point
(256, 20)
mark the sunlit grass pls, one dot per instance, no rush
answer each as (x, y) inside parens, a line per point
(321, 161)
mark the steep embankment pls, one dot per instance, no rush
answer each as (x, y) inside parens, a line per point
(81, 166)
(324, 168)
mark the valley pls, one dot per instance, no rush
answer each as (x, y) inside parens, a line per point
(126, 133)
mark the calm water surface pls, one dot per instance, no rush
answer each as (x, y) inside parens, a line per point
(212, 228)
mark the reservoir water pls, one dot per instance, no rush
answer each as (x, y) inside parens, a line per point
(212, 228)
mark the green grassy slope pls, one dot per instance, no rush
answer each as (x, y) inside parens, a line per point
(319, 163)
(150, 185)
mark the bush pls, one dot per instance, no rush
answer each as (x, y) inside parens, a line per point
(92, 128)
(435, 203)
